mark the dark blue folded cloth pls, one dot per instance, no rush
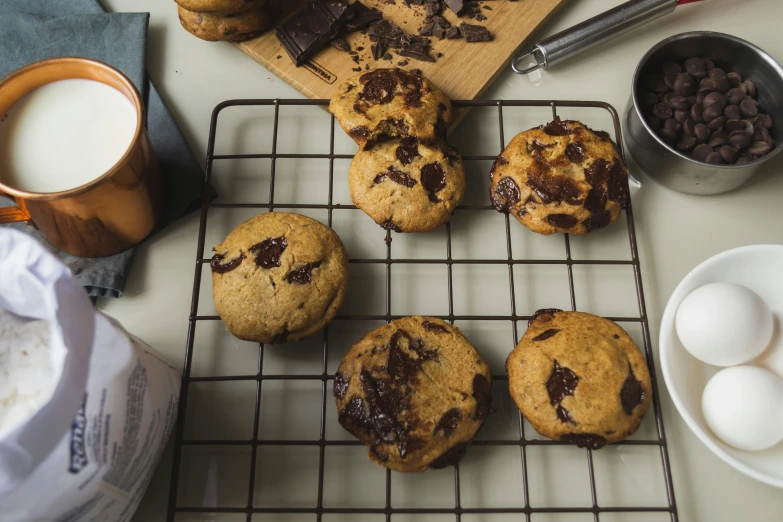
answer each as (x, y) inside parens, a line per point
(34, 30)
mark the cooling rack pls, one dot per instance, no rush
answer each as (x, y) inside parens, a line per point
(519, 508)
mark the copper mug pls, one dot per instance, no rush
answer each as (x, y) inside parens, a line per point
(111, 213)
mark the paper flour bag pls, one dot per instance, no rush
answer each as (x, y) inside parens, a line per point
(86, 408)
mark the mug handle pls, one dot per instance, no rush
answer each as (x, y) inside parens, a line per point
(13, 214)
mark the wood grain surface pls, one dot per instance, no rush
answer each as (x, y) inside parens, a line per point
(463, 72)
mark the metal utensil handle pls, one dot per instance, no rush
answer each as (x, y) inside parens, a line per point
(592, 32)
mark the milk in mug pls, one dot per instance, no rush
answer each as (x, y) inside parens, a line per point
(64, 135)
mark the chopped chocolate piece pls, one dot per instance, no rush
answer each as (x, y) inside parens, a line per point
(432, 8)
(561, 383)
(340, 44)
(418, 50)
(433, 178)
(378, 50)
(386, 32)
(453, 32)
(632, 393)
(426, 29)
(455, 5)
(417, 71)
(303, 274)
(221, 268)
(475, 33)
(268, 251)
(362, 16)
(439, 32)
(546, 335)
(449, 422)
(308, 30)
(388, 56)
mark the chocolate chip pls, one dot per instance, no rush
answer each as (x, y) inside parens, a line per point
(407, 151)
(732, 112)
(701, 152)
(564, 415)
(739, 139)
(303, 274)
(671, 68)
(735, 95)
(545, 314)
(714, 98)
(575, 152)
(217, 265)
(677, 102)
(451, 457)
(597, 221)
(683, 85)
(750, 88)
(716, 124)
(267, 253)
(632, 393)
(557, 127)
(688, 127)
(729, 154)
(696, 68)
(734, 78)
(595, 200)
(701, 132)
(711, 112)
(662, 110)
(449, 422)
(359, 132)
(482, 392)
(759, 148)
(381, 85)
(340, 385)
(697, 112)
(713, 158)
(718, 139)
(434, 327)
(618, 183)
(433, 179)
(561, 383)
(546, 335)
(562, 220)
(585, 440)
(682, 116)
(748, 108)
(506, 195)
(686, 143)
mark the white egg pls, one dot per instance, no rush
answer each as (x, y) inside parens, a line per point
(743, 406)
(724, 324)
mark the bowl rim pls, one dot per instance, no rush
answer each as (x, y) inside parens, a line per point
(765, 56)
(667, 329)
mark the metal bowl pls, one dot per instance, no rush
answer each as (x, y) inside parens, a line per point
(675, 169)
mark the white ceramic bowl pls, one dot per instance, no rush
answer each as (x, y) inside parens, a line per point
(760, 268)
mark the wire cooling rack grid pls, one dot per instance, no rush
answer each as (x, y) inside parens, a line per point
(257, 458)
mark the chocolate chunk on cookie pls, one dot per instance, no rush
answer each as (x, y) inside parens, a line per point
(407, 186)
(279, 277)
(390, 103)
(560, 177)
(579, 378)
(415, 391)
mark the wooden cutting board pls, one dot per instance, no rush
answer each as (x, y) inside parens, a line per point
(463, 72)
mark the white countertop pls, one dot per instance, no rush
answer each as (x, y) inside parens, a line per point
(675, 231)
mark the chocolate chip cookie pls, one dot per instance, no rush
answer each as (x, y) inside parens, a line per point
(579, 378)
(415, 391)
(407, 186)
(221, 6)
(279, 277)
(216, 27)
(389, 103)
(560, 177)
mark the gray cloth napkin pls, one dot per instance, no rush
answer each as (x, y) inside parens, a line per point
(33, 30)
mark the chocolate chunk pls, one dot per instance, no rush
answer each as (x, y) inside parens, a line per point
(378, 50)
(434, 327)
(545, 314)
(561, 383)
(451, 457)
(449, 422)
(575, 152)
(387, 32)
(596, 200)
(308, 30)
(407, 151)
(597, 221)
(360, 132)
(390, 225)
(562, 220)
(268, 252)
(360, 17)
(482, 392)
(453, 32)
(506, 195)
(549, 187)
(217, 265)
(546, 335)
(585, 440)
(556, 128)
(618, 183)
(455, 5)
(418, 50)
(340, 386)
(380, 87)
(632, 393)
(303, 274)
(564, 415)
(354, 417)
(433, 179)
(400, 177)
(475, 33)
(340, 44)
